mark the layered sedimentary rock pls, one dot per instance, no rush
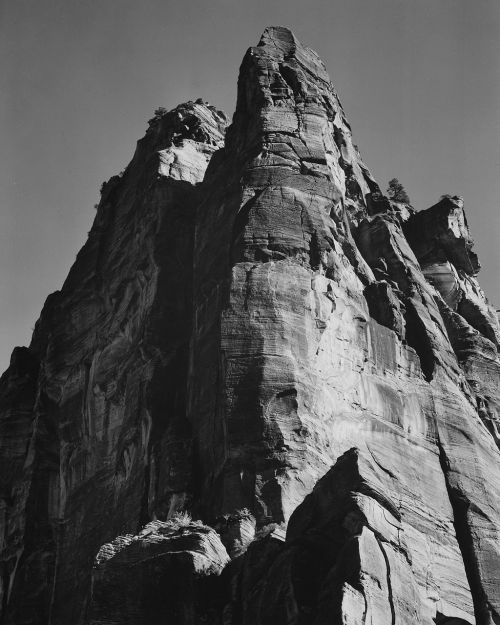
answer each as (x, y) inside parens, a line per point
(442, 243)
(93, 414)
(276, 348)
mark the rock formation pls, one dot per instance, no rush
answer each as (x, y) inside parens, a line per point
(96, 406)
(255, 336)
(157, 576)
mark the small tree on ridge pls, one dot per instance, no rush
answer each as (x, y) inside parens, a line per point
(396, 192)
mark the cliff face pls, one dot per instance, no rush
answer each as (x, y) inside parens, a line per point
(92, 434)
(275, 347)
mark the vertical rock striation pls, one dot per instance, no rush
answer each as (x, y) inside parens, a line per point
(100, 436)
(316, 331)
(277, 348)
(272, 227)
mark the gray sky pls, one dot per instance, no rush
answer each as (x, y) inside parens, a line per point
(419, 80)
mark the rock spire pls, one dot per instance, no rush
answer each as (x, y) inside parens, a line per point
(266, 393)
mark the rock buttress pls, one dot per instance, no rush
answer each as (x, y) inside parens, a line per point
(101, 432)
(316, 331)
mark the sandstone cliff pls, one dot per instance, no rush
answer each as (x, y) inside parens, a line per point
(255, 335)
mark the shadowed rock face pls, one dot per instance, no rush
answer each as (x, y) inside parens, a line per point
(269, 343)
(99, 440)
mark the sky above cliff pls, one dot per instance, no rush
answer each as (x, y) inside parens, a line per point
(419, 81)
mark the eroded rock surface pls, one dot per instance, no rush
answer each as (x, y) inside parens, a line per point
(269, 342)
(104, 444)
(158, 575)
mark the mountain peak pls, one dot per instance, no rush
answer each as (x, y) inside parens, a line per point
(252, 335)
(279, 36)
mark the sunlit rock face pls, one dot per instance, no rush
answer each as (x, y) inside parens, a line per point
(278, 349)
(442, 242)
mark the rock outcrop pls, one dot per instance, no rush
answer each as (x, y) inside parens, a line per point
(158, 576)
(255, 335)
(94, 430)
